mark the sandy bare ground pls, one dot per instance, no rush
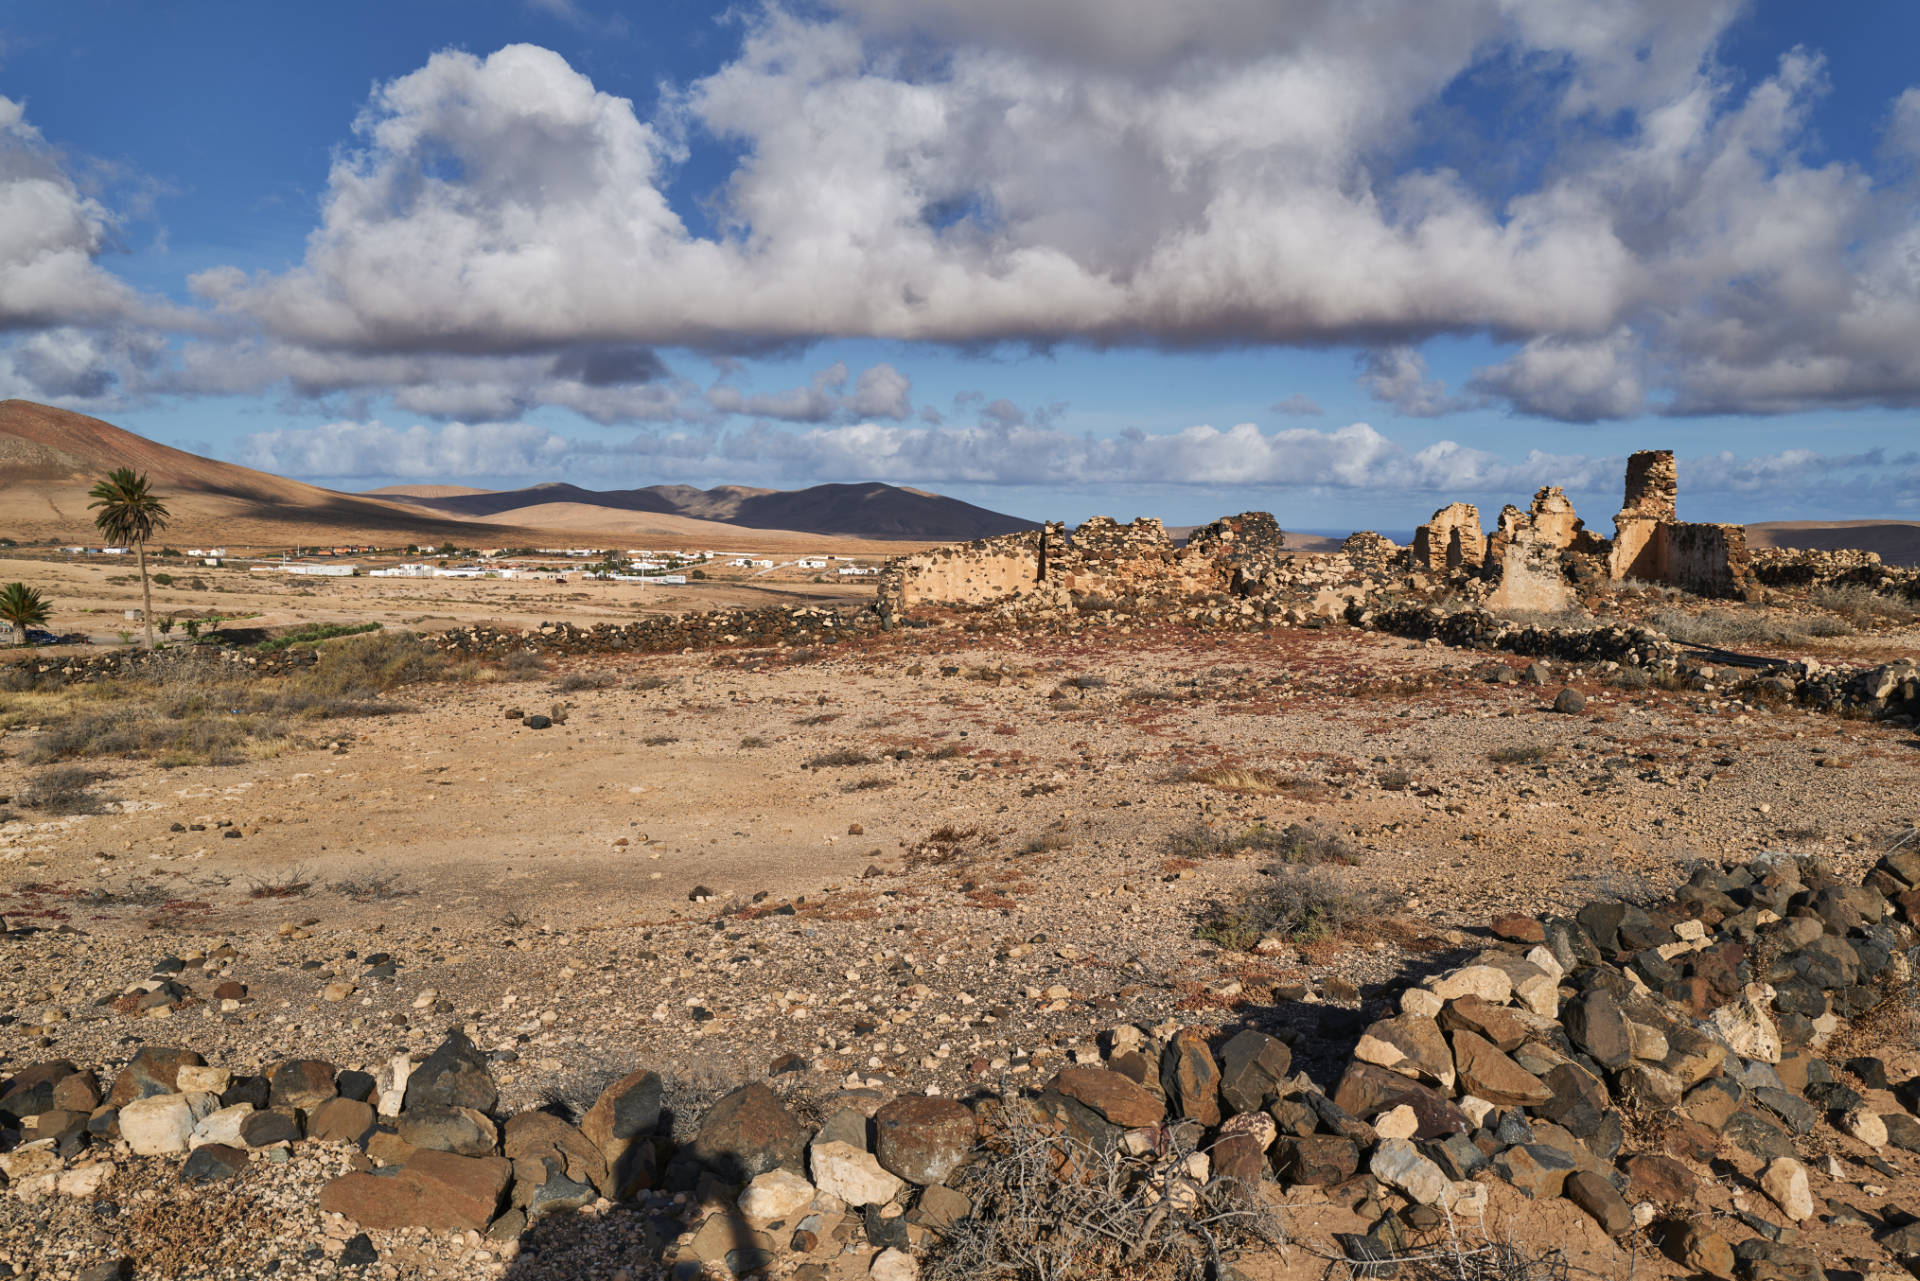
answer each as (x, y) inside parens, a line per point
(930, 859)
(92, 596)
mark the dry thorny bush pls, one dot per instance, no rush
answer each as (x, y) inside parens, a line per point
(1049, 1207)
(1454, 1252)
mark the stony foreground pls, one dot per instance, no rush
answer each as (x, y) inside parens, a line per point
(1723, 1084)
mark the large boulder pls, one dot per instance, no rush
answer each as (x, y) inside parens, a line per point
(463, 1131)
(1117, 1098)
(552, 1162)
(1410, 1045)
(434, 1190)
(619, 1123)
(853, 1175)
(155, 1070)
(1253, 1067)
(162, 1124)
(746, 1133)
(922, 1138)
(1190, 1077)
(455, 1075)
(301, 1083)
(1488, 1074)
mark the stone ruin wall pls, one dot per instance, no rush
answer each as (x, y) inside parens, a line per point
(1100, 558)
(1535, 557)
(1539, 559)
(1451, 540)
(975, 573)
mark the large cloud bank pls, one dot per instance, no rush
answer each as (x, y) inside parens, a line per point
(1648, 232)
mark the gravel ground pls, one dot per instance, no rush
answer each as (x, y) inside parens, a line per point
(980, 909)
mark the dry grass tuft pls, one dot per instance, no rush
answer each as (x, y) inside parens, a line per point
(1520, 754)
(1295, 904)
(1050, 1208)
(1256, 782)
(1296, 843)
(838, 759)
(65, 789)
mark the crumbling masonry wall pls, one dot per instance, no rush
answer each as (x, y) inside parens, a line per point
(1451, 540)
(1651, 544)
(1100, 558)
(1541, 559)
(975, 573)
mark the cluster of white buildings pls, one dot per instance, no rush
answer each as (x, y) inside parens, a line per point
(462, 571)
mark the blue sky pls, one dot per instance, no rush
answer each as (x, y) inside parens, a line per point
(1345, 263)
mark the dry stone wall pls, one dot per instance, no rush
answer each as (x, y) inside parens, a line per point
(1101, 558)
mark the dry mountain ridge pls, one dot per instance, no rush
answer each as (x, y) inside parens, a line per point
(870, 510)
(50, 457)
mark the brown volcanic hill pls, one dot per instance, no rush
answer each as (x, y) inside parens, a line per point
(1897, 541)
(860, 511)
(50, 458)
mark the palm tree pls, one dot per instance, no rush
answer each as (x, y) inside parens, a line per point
(129, 512)
(24, 607)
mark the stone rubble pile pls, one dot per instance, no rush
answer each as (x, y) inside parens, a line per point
(1622, 1058)
(655, 634)
(1890, 691)
(1806, 567)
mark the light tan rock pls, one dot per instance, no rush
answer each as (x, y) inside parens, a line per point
(1396, 1123)
(1866, 1126)
(162, 1124)
(1482, 981)
(852, 1174)
(1785, 1183)
(776, 1196)
(1746, 1026)
(202, 1080)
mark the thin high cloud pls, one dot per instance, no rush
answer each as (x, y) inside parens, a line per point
(1106, 172)
(1352, 459)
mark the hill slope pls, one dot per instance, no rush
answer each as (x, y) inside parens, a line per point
(862, 511)
(843, 509)
(50, 457)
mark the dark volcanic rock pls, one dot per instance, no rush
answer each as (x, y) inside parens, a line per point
(746, 1133)
(455, 1075)
(1190, 1077)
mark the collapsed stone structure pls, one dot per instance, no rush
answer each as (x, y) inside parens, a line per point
(1539, 559)
(1536, 558)
(1100, 558)
(1451, 540)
